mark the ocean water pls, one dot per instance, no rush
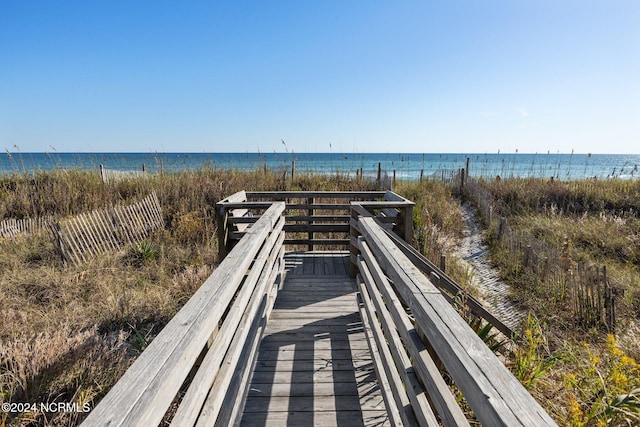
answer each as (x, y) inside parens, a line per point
(405, 165)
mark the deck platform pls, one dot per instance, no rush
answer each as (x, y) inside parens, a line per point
(314, 366)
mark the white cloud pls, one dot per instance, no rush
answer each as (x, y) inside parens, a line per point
(524, 112)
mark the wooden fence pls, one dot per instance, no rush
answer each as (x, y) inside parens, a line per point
(90, 234)
(111, 175)
(11, 227)
(584, 289)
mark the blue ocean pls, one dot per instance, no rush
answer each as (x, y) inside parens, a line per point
(408, 166)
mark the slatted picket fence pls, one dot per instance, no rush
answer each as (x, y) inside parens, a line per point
(585, 289)
(90, 234)
(111, 175)
(11, 227)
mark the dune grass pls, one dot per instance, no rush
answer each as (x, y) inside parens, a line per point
(594, 378)
(68, 333)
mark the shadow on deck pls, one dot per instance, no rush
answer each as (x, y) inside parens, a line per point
(314, 366)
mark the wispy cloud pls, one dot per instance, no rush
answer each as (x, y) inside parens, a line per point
(524, 112)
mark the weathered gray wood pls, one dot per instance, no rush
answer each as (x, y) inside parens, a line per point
(239, 213)
(263, 380)
(427, 267)
(333, 388)
(222, 213)
(437, 389)
(245, 307)
(337, 242)
(318, 228)
(296, 206)
(319, 404)
(90, 232)
(394, 197)
(396, 401)
(228, 390)
(356, 418)
(449, 285)
(240, 196)
(494, 394)
(148, 387)
(405, 383)
(320, 219)
(365, 195)
(302, 346)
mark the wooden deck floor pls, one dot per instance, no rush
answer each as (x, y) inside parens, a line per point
(314, 366)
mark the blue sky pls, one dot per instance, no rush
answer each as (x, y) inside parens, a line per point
(365, 76)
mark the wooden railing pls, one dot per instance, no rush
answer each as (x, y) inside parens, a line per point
(313, 218)
(196, 371)
(451, 291)
(411, 348)
(210, 343)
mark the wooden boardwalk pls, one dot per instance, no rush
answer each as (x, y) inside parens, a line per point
(275, 339)
(314, 366)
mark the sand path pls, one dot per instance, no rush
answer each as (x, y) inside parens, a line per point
(494, 293)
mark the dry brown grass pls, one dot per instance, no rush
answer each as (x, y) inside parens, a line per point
(68, 333)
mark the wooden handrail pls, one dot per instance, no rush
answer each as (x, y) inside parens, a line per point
(496, 397)
(226, 312)
(309, 212)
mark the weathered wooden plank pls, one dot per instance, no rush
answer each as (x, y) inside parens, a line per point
(297, 389)
(430, 376)
(298, 336)
(494, 394)
(239, 360)
(366, 195)
(325, 418)
(396, 401)
(242, 313)
(319, 219)
(263, 379)
(148, 387)
(318, 242)
(337, 316)
(316, 404)
(319, 283)
(385, 204)
(317, 228)
(395, 354)
(393, 197)
(318, 345)
(315, 329)
(449, 285)
(240, 196)
(326, 354)
(296, 206)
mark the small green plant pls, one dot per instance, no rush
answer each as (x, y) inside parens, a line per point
(149, 250)
(530, 361)
(483, 329)
(487, 334)
(143, 253)
(604, 389)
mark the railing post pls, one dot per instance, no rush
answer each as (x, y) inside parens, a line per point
(353, 244)
(310, 212)
(408, 224)
(223, 232)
